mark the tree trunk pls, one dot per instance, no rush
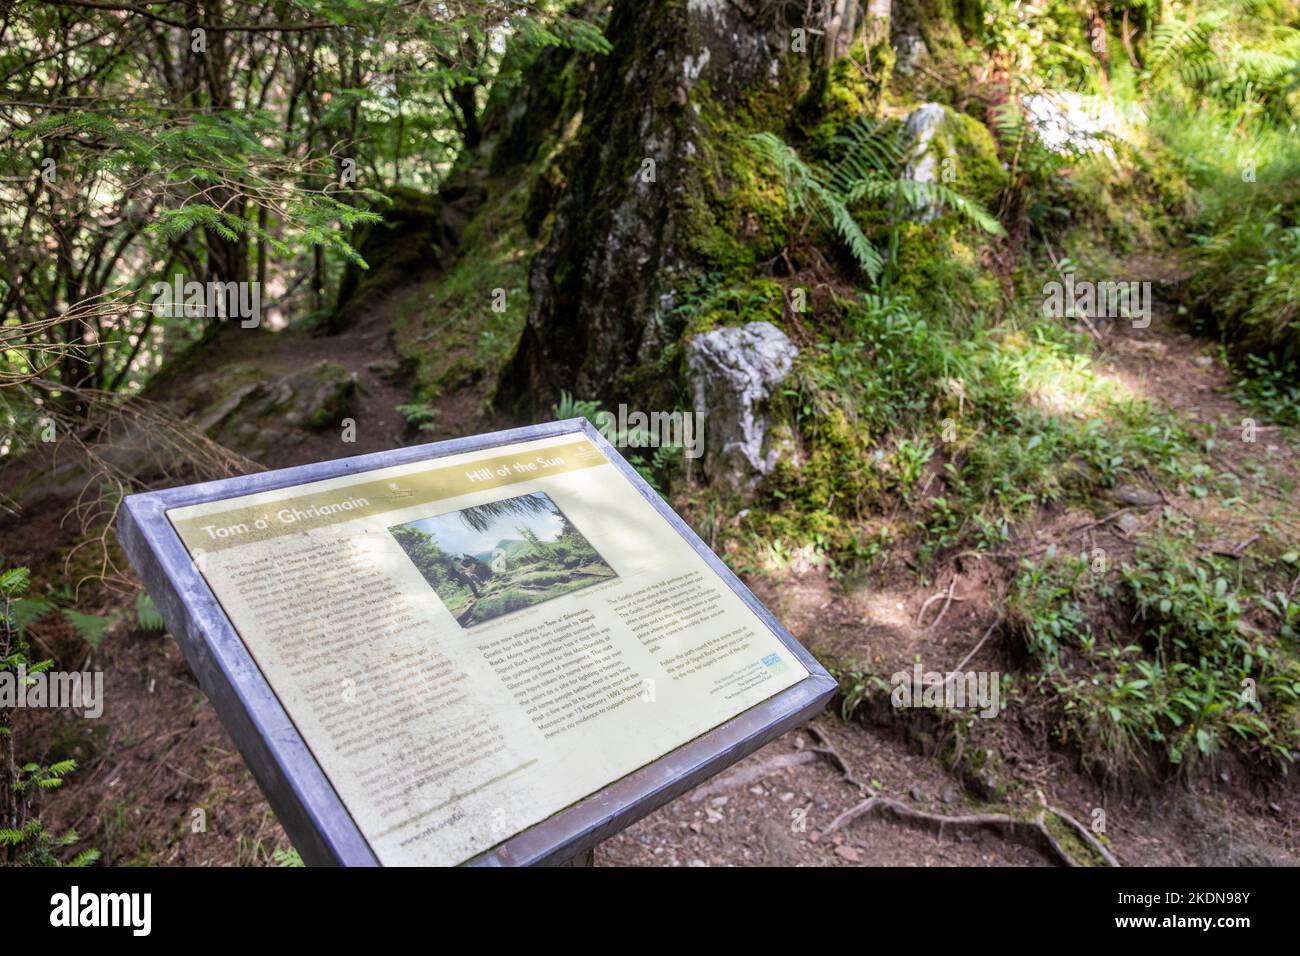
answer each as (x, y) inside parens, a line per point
(642, 188)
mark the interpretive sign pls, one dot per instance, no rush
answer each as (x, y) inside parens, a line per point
(499, 649)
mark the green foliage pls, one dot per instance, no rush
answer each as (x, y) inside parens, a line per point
(146, 614)
(91, 628)
(663, 460)
(1194, 676)
(419, 416)
(1223, 78)
(569, 407)
(868, 169)
(1270, 388)
(287, 858)
(24, 840)
(807, 191)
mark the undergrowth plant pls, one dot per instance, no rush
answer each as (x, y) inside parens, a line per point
(24, 839)
(1189, 674)
(869, 167)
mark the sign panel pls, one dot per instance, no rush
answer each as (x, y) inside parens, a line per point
(470, 644)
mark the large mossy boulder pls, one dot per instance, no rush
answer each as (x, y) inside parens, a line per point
(252, 411)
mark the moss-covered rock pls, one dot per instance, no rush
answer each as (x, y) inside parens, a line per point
(251, 411)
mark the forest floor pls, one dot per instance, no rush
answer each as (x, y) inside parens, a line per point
(159, 762)
(777, 807)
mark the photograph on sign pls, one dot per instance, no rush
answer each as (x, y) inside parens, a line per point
(490, 559)
(472, 643)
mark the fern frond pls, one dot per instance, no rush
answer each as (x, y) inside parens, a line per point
(146, 614)
(808, 189)
(916, 194)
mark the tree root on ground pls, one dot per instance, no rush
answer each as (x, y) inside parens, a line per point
(1030, 833)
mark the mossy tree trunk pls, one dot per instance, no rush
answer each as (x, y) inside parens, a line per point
(644, 181)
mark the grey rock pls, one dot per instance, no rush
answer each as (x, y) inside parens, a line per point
(948, 794)
(1128, 522)
(1134, 496)
(734, 372)
(1065, 124)
(922, 165)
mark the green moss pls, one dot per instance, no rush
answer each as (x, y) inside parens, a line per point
(736, 210)
(447, 331)
(940, 268)
(816, 499)
(945, 26)
(845, 96)
(975, 166)
(712, 306)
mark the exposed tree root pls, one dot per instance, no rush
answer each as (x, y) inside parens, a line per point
(1086, 836)
(1030, 833)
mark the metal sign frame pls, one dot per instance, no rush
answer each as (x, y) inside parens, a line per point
(313, 815)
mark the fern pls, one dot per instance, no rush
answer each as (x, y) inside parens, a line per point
(287, 858)
(418, 415)
(871, 150)
(1186, 46)
(570, 407)
(869, 167)
(809, 190)
(146, 614)
(92, 628)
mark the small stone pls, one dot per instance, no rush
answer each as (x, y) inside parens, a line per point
(848, 853)
(1128, 522)
(916, 792)
(719, 801)
(948, 794)
(758, 791)
(714, 816)
(787, 796)
(814, 836)
(1204, 360)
